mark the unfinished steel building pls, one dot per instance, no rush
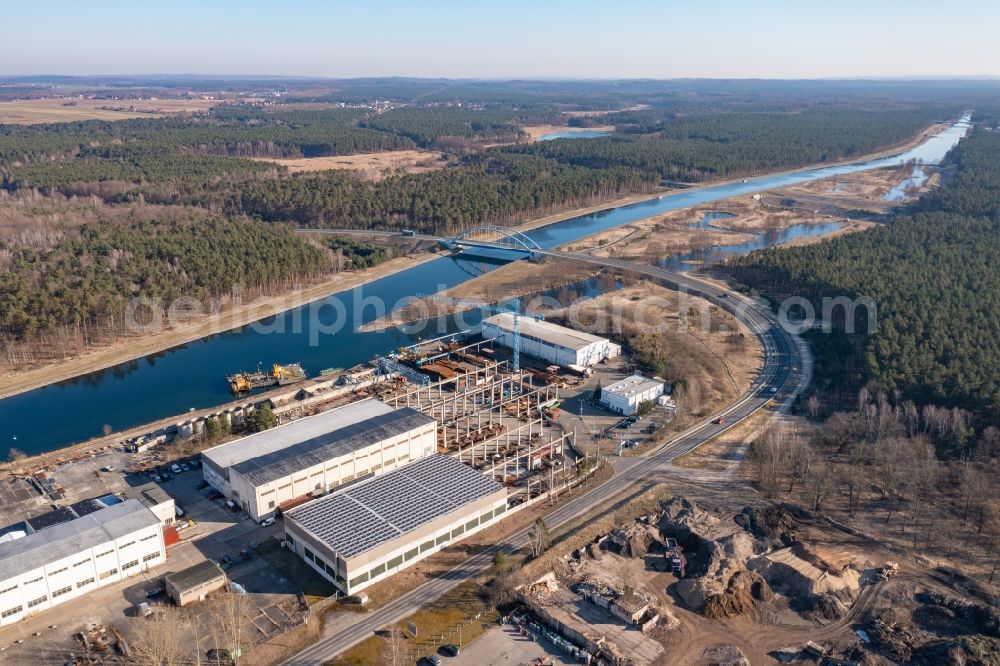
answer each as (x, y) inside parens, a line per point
(487, 416)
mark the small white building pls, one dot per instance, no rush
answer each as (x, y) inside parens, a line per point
(315, 454)
(550, 342)
(70, 559)
(626, 395)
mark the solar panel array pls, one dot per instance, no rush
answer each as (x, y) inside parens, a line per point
(368, 514)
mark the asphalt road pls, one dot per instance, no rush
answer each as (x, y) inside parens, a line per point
(784, 356)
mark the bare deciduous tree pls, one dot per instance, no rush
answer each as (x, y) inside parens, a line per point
(538, 538)
(394, 647)
(231, 613)
(160, 641)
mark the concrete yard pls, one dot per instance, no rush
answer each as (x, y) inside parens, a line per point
(574, 611)
(504, 645)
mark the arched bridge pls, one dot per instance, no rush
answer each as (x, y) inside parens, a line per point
(493, 238)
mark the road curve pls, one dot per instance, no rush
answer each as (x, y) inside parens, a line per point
(784, 356)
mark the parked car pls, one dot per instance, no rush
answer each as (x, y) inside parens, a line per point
(108, 468)
(176, 469)
(155, 592)
(157, 478)
(178, 510)
(452, 650)
(267, 522)
(166, 476)
(433, 660)
(185, 467)
(215, 495)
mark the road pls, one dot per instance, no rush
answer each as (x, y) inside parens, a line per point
(785, 357)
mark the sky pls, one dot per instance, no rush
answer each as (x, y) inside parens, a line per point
(505, 38)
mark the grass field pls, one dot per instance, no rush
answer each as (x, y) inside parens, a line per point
(37, 111)
(440, 618)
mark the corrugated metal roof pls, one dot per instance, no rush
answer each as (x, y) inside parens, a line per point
(370, 513)
(203, 572)
(318, 450)
(546, 331)
(276, 439)
(631, 385)
(61, 541)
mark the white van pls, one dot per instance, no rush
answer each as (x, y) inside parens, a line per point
(144, 609)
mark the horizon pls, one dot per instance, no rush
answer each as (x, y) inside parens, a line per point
(914, 78)
(639, 39)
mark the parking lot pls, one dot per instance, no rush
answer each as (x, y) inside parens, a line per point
(598, 428)
(208, 530)
(505, 645)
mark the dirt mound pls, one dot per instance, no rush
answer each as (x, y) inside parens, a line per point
(723, 655)
(771, 524)
(961, 651)
(823, 607)
(961, 615)
(684, 520)
(743, 591)
(793, 576)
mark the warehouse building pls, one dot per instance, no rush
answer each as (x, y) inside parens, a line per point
(359, 535)
(66, 561)
(315, 454)
(194, 583)
(550, 342)
(625, 396)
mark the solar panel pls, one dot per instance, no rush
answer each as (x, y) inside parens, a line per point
(373, 512)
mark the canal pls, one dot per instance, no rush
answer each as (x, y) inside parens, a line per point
(323, 334)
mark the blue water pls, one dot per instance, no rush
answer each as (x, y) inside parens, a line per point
(192, 376)
(696, 259)
(573, 134)
(914, 181)
(707, 219)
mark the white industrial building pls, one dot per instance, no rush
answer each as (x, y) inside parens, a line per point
(316, 454)
(626, 395)
(70, 559)
(361, 534)
(550, 342)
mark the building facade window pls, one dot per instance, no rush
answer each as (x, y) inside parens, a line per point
(84, 583)
(129, 565)
(9, 589)
(37, 602)
(81, 563)
(150, 557)
(12, 611)
(108, 574)
(62, 591)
